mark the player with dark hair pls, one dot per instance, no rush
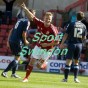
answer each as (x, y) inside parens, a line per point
(75, 34)
(16, 36)
(44, 28)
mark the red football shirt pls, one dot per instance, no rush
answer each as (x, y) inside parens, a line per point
(51, 30)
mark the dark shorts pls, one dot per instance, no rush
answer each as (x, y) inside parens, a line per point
(15, 48)
(74, 51)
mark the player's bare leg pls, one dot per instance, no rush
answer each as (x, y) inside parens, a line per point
(39, 63)
(29, 69)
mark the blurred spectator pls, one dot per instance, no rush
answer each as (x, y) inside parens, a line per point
(8, 11)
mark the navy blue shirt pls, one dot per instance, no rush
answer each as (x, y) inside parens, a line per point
(17, 31)
(76, 31)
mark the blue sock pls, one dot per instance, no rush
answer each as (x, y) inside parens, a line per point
(10, 66)
(76, 70)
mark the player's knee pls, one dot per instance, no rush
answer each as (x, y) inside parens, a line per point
(68, 62)
(40, 63)
(76, 62)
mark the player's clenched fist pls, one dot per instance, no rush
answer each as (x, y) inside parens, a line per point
(23, 6)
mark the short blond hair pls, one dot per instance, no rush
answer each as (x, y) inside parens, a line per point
(48, 14)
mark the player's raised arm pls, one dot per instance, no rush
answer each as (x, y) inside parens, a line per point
(28, 13)
(8, 37)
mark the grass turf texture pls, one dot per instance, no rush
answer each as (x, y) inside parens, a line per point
(42, 80)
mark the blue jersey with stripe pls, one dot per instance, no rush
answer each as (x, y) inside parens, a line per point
(76, 31)
(17, 31)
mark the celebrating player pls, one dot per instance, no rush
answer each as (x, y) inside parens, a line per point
(44, 28)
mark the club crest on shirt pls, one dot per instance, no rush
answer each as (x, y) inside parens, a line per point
(47, 32)
(41, 28)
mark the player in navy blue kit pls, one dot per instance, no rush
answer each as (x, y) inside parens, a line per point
(16, 36)
(75, 34)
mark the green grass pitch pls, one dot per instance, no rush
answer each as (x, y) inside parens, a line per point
(42, 80)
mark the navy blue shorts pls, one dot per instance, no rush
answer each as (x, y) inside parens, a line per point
(15, 48)
(74, 51)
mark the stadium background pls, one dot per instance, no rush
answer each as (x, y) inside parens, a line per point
(40, 6)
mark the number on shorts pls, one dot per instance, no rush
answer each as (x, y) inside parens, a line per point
(78, 32)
